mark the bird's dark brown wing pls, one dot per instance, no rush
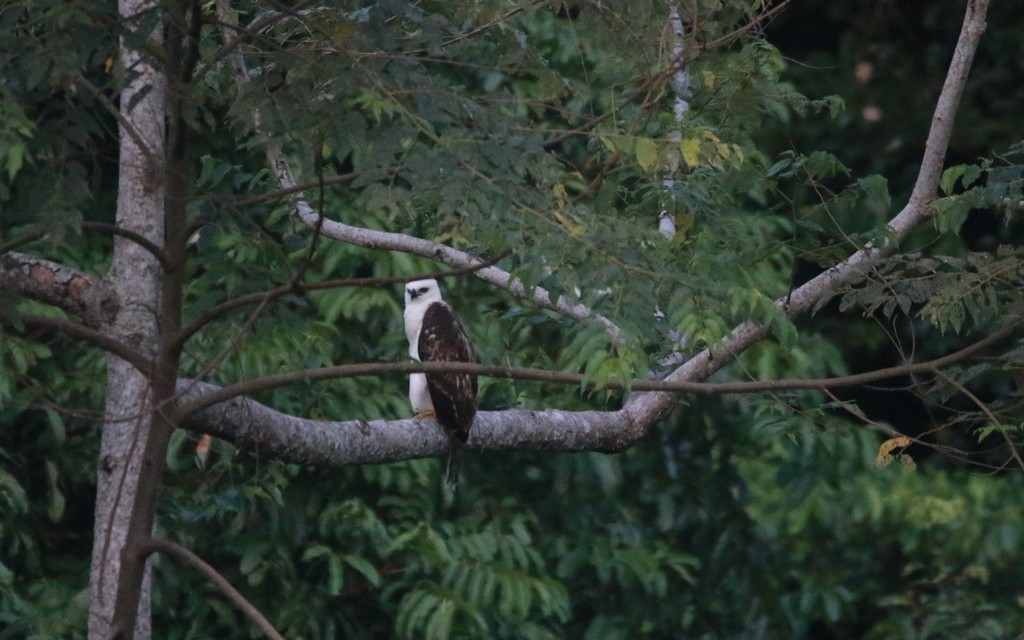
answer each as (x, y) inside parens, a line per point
(444, 339)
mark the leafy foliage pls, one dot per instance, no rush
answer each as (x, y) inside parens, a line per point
(545, 129)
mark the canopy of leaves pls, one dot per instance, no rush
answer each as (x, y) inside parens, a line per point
(545, 129)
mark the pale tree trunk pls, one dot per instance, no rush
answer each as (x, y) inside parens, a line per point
(134, 276)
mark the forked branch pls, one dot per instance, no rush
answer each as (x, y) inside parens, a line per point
(648, 408)
(250, 424)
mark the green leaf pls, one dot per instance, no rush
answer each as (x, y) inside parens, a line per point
(821, 165)
(55, 502)
(361, 565)
(779, 168)
(971, 175)
(876, 198)
(6, 575)
(316, 551)
(12, 493)
(952, 211)
(949, 177)
(335, 575)
(439, 627)
(57, 427)
(15, 158)
(251, 559)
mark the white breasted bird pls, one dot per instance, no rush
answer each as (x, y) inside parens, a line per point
(436, 335)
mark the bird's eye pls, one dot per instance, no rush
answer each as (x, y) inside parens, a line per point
(423, 289)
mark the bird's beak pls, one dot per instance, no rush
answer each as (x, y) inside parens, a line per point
(412, 293)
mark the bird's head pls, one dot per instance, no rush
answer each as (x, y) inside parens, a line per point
(422, 292)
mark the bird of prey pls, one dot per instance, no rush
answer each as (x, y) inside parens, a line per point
(436, 335)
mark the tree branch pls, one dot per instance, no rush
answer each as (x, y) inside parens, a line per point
(648, 408)
(262, 430)
(139, 239)
(252, 425)
(128, 126)
(186, 557)
(373, 239)
(114, 230)
(755, 22)
(17, 243)
(68, 289)
(257, 298)
(226, 412)
(90, 336)
(996, 423)
(680, 83)
(343, 178)
(371, 369)
(245, 35)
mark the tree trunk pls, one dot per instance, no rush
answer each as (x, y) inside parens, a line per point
(134, 275)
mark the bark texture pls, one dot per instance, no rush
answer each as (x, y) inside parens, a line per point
(57, 285)
(264, 431)
(134, 274)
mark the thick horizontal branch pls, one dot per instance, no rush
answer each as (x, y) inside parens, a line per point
(225, 412)
(264, 431)
(68, 289)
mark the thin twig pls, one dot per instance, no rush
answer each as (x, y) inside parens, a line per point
(137, 238)
(566, 377)
(256, 298)
(90, 336)
(648, 408)
(300, 275)
(344, 178)
(187, 557)
(247, 35)
(21, 242)
(129, 127)
(988, 413)
(500, 20)
(737, 33)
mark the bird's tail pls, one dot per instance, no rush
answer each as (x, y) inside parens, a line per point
(455, 449)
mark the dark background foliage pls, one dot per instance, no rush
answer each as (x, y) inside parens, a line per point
(738, 516)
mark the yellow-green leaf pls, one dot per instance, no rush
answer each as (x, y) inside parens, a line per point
(646, 153)
(690, 148)
(684, 222)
